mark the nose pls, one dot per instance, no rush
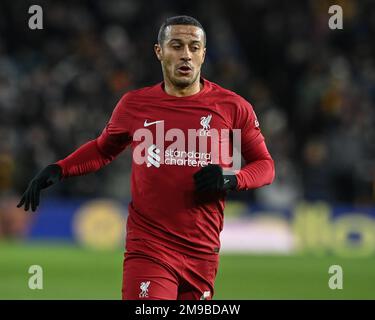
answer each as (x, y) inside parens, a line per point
(186, 54)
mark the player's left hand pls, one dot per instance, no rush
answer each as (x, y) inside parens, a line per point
(212, 179)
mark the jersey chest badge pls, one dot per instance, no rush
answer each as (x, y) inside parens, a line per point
(205, 123)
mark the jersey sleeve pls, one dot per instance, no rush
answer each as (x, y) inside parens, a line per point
(99, 152)
(259, 169)
(247, 121)
(120, 121)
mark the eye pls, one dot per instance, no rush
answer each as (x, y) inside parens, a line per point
(176, 46)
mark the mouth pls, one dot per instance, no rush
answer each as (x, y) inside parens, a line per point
(184, 70)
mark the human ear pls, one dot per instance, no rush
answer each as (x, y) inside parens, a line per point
(158, 51)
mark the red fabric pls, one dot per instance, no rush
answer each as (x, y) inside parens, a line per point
(94, 154)
(164, 206)
(259, 169)
(171, 275)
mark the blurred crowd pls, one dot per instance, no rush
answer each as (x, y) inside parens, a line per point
(312, 88)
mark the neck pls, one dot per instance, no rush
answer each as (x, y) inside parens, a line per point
(172, 90)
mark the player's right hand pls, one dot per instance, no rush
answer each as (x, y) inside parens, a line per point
(45, 178)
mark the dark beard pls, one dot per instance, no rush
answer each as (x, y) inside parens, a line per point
(184, 84)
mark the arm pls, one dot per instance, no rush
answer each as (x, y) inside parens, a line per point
(94, 154)
(90, 157)
(97, 153)
(259, 169)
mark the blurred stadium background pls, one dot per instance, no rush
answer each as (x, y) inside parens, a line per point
(314, 93)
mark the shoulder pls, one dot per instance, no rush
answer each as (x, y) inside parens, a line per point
(228, 96)
(143, 92)
(234, 105)
(231, 103)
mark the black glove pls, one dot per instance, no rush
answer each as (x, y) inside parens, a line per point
(212, 179)
(45, 178)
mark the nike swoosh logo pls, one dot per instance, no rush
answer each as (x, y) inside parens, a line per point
(147, 124)
(226, 181)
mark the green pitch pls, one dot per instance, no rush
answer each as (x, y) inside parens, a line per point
(71, 272)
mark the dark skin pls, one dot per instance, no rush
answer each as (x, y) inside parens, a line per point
(181, 55)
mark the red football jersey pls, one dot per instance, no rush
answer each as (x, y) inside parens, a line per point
(164, 206)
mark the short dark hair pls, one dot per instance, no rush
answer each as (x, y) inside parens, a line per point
(179, 20)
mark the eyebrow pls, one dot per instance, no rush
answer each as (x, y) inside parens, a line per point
(179, 40)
